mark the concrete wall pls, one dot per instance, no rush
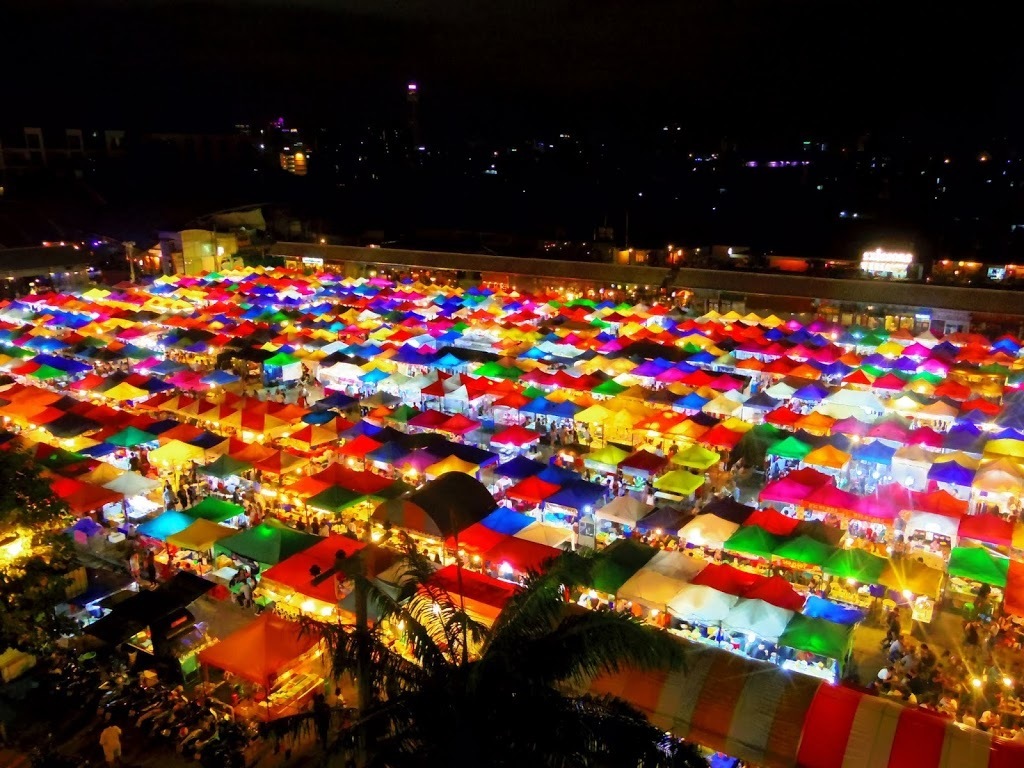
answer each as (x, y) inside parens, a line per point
(976, 300)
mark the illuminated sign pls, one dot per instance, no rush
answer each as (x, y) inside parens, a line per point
(312, 261)
(881, 262)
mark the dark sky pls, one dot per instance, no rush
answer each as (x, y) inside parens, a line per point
(734, 66)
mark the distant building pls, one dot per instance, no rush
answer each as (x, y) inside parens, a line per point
(27, 150)
(23, 270)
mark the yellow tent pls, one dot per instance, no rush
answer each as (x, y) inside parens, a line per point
(451, 464)
(595, 414)
(696, 456)
(125, 391)
(176, 453)
(201, 535)
(1005, 447)
(827, 456)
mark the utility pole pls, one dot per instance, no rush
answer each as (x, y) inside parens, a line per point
(128, 246)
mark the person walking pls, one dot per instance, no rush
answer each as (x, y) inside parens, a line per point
(110, 740)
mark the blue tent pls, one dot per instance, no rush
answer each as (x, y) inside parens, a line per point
(319, 417)
(558, 476)
(168, 524)
(819, 608)
(812, 392)
(219, 378)
(519, 468)
(99, 450)
(951, 472)
(876, 452)
(538, 406)
(578, 495)
(207, 440)
(507, 521)
(664, 518)
(389, 453)
(692, 402)
(335, 400)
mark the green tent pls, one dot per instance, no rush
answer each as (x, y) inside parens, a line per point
(494, 370)
(225, 466)
(752, 540)
(976, 564)
(856, 564)
(804, 549)
(613, 567)
(818, 636)
(280, 360)
(679, 482)
(334, 499)
(609, 387)
(753, 446)
(606, 459)
(697, 457)
(532, 393)
(46, 372)
(790, 448)
(215, 510)
(129, 437)
(269, 542)
(402, 414)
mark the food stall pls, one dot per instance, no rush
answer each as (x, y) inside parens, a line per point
(968, 569)
(280, 666)
(158, 625)
(816, 647)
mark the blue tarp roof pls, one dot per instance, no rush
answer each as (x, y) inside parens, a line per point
(578, 495)
(820, 608)
(507, 521)
(519, 468)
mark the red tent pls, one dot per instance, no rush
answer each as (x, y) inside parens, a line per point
(82, 497)
(809, 476)
(515, 435)
(779, 592)
(828, 498)
(359, 447)
(532, 490)
(726, 578)
(720, 437)
(988, 528)
(459, 425)
(1013, 595)
(783, 417)
(644, 462)
(262, 650)
(940, 503)
(774, 522)
(483, 595)
(521, 555)
(476, 539)
(428, 419)
(294, 572)
(365, 483)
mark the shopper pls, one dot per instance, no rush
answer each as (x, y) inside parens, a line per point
(110, 740)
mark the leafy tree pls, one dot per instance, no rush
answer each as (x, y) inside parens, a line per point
(514, 694)
(34, 556)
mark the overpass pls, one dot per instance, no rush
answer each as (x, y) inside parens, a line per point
(706, 283)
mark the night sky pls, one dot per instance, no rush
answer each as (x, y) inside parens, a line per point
(731, 66)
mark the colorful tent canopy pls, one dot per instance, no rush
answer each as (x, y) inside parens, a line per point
(977, 564)
(215, 510)
(269, 542)
(262, 650)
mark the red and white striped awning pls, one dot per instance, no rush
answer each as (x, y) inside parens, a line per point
(777, 719)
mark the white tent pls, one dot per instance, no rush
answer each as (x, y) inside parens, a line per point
(541, 533)
(762, 619)
(132, 484)
(708, 531)
(650, 589)
(857, 398)
(942, 525)
(780, 391)
(624, 510)
(675, 564)
(696, 602)
(910, 465)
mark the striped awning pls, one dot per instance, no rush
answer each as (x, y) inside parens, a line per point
(767, 716)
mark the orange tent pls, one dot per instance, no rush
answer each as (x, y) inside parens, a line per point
(262, 650)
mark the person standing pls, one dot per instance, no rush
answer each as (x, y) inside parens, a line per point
(151, 567)
(110, 740)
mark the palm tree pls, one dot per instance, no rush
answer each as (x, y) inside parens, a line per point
(514, 694)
